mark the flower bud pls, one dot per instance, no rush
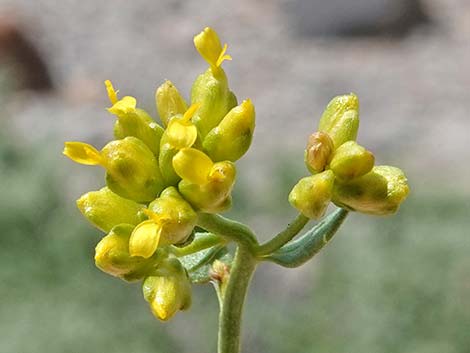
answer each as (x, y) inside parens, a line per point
(132, 170)
(379, 192)
(169, 102)
(169, 290)
(220, 274)
(232, 137)
(312, 194)
(105, 209)
(206, 185)
(341, 119)
(180, 133)
(171, 221)
(216, 100)
(351, 161)
(318, 151)
(112, 256)
(132, 121)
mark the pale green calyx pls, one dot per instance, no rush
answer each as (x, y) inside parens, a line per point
(311, 195)
(379, 192)
(105, 209)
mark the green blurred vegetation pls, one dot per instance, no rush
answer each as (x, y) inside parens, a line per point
(385, 285)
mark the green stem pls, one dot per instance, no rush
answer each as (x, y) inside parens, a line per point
(234, 297)
(203, 241)
(283, 237)
(227, 228)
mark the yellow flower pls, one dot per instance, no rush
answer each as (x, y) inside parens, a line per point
(132, 121)
(180, 133)
(171, 221)
(112, 256)
(206, 185)
(210, 89)
(131, 168)
(208, 45)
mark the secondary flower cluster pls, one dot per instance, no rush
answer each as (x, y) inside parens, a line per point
(159, 177)
(343, 171)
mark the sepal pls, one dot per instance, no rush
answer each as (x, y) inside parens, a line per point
(351, 161)
(341, 119)
(232, 137)
(168, 290)
(112, 256)
(312, 194)
(379, 192)
(169, 102)
(105, 209)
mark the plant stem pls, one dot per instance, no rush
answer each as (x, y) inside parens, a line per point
(228, 228)
(234, 297)
(283, 237)
(203, 241)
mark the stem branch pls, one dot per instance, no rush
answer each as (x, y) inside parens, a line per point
(283, 237)
(203, 241)
(228, 228)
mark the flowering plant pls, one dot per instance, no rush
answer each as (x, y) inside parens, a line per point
(167, 184)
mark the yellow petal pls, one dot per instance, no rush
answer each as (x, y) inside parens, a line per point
(192, 165)
(181, 134)
(82, 153)
(112, 94)
(208, 45)
(191, 111)
(222, 57)
(123, 106)
(144, 239)
(157, 218)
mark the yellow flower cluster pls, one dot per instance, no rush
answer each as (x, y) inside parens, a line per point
(343, 171)
(159, 177)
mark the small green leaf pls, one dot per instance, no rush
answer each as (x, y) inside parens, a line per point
(199, 264)
(303, 249)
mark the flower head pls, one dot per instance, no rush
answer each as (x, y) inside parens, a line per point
(343, 171)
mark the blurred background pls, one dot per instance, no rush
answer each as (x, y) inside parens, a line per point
(385, 285)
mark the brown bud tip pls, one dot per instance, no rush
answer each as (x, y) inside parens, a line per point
(318, 151)
(219, 271)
